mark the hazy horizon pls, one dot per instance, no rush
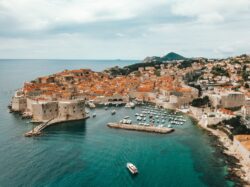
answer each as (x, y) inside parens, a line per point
(116, 59)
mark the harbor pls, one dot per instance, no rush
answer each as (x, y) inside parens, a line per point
(86, 146)
(135, 127)
(149, 119)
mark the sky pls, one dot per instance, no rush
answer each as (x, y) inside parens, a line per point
(123, 29)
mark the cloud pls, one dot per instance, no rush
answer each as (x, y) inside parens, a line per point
(42, 14)
(123, 28)
(232, 48)
(211, 11)
(119, 34)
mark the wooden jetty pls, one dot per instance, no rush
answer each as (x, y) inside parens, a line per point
(135, 127)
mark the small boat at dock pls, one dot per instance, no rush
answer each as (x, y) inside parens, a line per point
(132, 168)
(130, 105)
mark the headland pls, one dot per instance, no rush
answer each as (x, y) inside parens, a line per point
(214, 91)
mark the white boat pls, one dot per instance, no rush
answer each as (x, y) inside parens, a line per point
(106, 108)
(126, 117)
(139, 118)
(113, 112)
(125, 121)
(91, 105)
(94, 115)
(131, 167)
(130, 105)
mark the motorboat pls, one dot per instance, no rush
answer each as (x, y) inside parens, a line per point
(113, 112)
(124, 121)
(132, 168)
(139, 118)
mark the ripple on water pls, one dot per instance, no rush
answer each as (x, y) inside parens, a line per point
(88, 153)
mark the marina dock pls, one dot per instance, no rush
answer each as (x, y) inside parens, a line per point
(135, 127)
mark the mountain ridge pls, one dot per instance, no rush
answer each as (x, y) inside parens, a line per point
(168, 57)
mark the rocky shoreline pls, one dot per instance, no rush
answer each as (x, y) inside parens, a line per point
(237, 171)
(234, 169)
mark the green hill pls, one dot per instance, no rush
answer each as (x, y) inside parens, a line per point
(168, 57)
(172, 56)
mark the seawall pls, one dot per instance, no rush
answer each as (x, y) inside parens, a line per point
(161, 130)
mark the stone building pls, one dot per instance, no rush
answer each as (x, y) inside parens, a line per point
(232, 99)
(44, 111)
(71, 110)
(227, 99)
(18, 103)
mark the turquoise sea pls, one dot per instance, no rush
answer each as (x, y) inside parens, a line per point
(88, 153)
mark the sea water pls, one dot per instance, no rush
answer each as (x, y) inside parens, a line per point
(88, 153)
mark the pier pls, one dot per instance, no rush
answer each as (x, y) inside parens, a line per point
(38, 129)
(135, 127)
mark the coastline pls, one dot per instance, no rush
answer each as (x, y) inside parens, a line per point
(39, 128)
(238, 170)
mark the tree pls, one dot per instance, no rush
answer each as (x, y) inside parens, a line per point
(246, 85)
(201, 102)
(219, 71)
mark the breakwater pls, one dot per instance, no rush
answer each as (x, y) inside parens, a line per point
(154, 129)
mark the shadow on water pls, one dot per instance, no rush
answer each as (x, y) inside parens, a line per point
(72, 127)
